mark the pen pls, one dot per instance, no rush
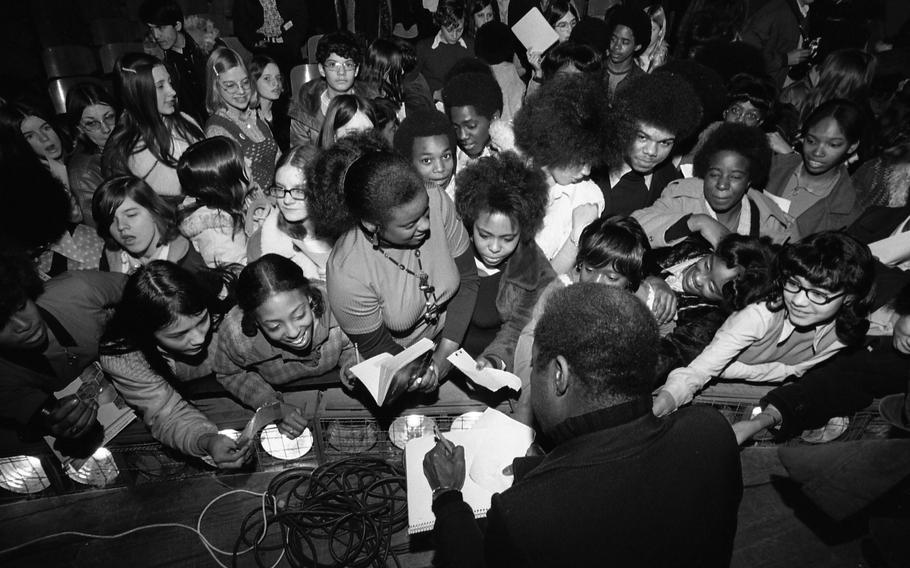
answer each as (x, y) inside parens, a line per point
(447, 444)
(357, 353)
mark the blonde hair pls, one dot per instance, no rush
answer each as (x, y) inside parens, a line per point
(222, 60)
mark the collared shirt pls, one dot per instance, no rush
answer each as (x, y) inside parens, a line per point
(617, 173)
(558, 220)
(745, 220)
(438, 40)
(755, 344)
(462, 160)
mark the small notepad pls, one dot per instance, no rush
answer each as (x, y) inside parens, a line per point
(489, 378)
(490, 445)
(534, 32)
(376, 373)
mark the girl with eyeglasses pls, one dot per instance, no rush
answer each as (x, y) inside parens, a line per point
(289, 228)
(401, 268)
(93, 115)
(214, 178)
(825, 289)
(152, 132)
(229, 96)
(282, 330)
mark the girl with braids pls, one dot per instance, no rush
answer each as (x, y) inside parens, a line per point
(161, 333)
(281, 330)
(152, 133)
(401, 268)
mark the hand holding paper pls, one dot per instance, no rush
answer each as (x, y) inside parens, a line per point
(489, 378)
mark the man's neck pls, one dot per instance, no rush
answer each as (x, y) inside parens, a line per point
(621, 67)
(180, 43)
(332, 93)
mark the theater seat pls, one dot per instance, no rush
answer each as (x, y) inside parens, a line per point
(59, 87)
(68, 61)
(109, 53)
(116, 30)
(302, 74)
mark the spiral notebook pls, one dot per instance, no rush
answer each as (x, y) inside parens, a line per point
(491, 445)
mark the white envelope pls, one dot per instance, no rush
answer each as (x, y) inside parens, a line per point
(533, 31)
(488, 378)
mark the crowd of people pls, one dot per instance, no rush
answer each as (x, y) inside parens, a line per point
(204, 220)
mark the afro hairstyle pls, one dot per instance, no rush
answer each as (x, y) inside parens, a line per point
(503, 184)
(707, 84)
(423, 123)
(358, 179)
(593, 32)
(493, 43)
(479, 90)
(580, 56)
(661, 100)
(607, 336)
(564, 122)
(636, 20)
(749, 142)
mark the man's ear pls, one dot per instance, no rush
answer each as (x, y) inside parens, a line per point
(371, 227)
(178, 26)
(496, 115)
(321, 70)
(562, 375)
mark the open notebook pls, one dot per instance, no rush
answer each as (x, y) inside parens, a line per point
(376, 372)
(491, 445)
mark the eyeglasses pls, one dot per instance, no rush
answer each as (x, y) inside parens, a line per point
(431, 315)
(278, 192)
(751, 118)
(566, 25)
(336, 66)
(233, 88)
(93, 125)
(816, 297)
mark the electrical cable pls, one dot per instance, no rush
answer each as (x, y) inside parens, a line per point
(342, 514)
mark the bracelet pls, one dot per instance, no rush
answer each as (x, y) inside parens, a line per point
(441, 490)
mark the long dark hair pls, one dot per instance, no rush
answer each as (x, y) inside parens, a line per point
(213, 172)
(78, 99)
(111, 194)
(140, 124)
(269, 275)
(153, 298)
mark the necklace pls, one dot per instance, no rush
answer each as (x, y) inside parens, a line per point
(240, 120)
(820, 193)
(431, 315)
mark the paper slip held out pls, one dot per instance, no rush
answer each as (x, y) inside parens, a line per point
(489, 378)
(376, 372)
(265, 415)
(534, 32)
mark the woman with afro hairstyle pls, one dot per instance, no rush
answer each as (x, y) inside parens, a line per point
(401, 268)
(502, 202)
(559, 130)
(823, 290)
(725, 197)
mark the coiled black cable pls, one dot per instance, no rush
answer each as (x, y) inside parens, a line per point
(341, 514)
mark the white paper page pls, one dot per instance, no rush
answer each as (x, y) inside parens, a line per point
(489, 378)
(892, 250)
(369, 373)
(533, 31)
